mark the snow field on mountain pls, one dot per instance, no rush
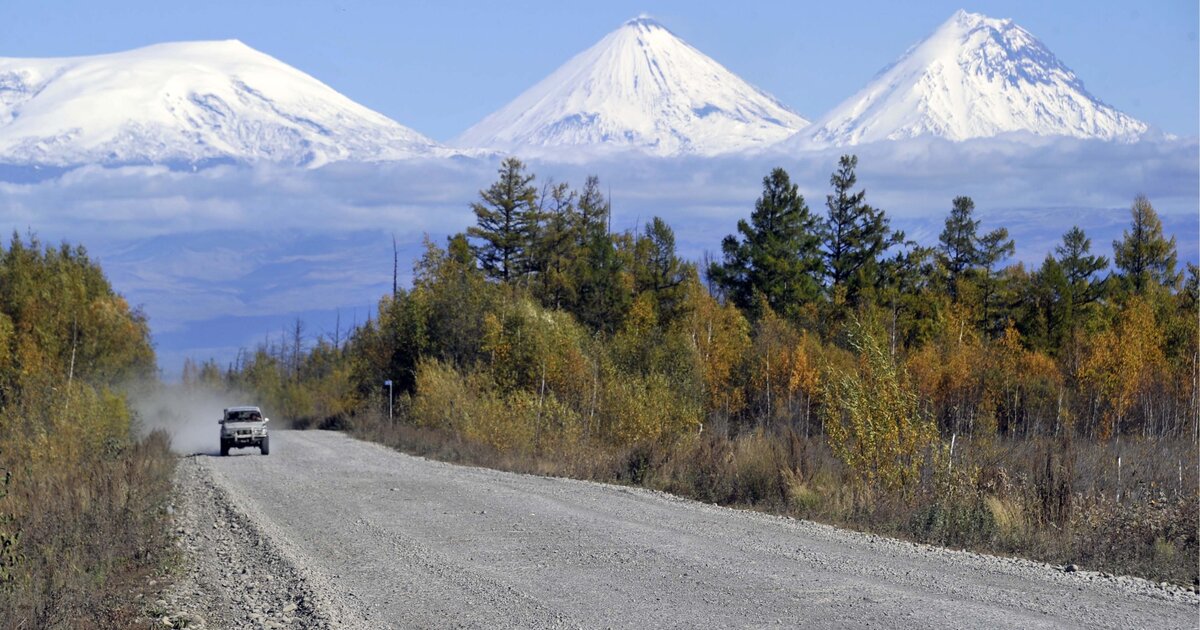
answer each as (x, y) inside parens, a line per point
(639, 89)
(974, 77)
(186, 102)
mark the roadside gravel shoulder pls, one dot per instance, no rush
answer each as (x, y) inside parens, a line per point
(235, 573)
(332, 532)
(985, 563)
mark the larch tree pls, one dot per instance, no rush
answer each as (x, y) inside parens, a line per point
(1144, 257)
(507, 217)
(553, 252)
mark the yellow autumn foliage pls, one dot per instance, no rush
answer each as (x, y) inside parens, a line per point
(1121, 361)
(875, 425)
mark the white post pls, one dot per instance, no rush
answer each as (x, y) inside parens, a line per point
(389, 386)
(950, 464)
(1118, 478)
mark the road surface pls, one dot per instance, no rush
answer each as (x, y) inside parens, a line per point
(331, 532)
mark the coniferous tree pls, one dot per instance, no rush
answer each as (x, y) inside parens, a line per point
(603, 297)
(778, 254)
(959, 251)
(1191, 289)
(594, 209)
(1045, 308)
(969, 257)
(507, 217)
(1144, 256)
(658, 270)
(1080, 266)
(855, 234)
(1062, 293)
(602, 293)
(994, 247)
(553, 251)
(910, 293)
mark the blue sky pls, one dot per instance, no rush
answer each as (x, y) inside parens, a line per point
(439, 67)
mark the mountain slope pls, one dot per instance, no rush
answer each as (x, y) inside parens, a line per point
(974, 77)
(639, 87)
(186, 102)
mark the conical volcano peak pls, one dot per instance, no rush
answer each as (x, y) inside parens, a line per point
(645, 21)
(975, 30)
(964, 19)
(229, 45)
(186, 102)
(975, 76)
(640, 87)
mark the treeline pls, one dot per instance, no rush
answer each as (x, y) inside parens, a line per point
(82, 495)
(823, 364)
(541, 299)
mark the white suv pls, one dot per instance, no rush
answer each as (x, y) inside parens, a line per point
(243, 427)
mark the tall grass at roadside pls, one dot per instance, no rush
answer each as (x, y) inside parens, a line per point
(85, 512)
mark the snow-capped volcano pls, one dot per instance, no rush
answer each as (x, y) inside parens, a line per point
(974, 77)
(639, 87)
(186, 102)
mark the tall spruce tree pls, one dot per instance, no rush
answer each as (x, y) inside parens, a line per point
(994, 247)
(1062, 292)
(507, 218)
(778, 254)
(554, 250)
(855, 234)
(1080, 266)
(593, 211)
(1144, 256)
(969, 257)
(958, 241)
(658, 270)
(602, 291)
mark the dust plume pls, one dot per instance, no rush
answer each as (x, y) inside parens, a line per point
(188, 414)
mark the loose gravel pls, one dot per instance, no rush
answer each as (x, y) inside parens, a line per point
(331, 532)
(235, 573)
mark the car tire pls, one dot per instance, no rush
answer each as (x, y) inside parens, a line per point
(265, 446)
(224, 449)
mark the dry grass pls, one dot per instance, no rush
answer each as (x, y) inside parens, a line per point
(92, 536)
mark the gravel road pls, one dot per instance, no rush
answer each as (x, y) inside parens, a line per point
(331, 532)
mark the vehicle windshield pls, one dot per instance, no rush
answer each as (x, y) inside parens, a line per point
(243, 416)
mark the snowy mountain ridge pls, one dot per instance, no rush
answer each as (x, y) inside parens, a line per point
(973, 77)
(187, 102)
(640, 87)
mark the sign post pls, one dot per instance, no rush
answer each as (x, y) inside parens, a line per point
(389, 386)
